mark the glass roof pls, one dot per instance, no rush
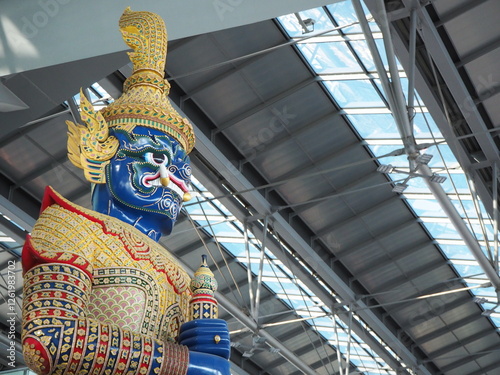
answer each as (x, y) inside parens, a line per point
(7, 243)
(344, 62)
(342, 59)
(230, 234)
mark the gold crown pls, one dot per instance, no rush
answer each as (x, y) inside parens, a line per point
(144, 101)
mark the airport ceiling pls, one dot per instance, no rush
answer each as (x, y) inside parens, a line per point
(298, 154)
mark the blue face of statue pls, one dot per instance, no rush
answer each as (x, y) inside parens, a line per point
(146, 181)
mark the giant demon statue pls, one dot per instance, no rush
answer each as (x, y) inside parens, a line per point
(101, 296)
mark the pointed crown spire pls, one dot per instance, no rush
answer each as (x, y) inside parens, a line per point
(144, 101)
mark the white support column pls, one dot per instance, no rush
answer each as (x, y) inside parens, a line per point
(457, 221)
(261, 271)
(411, 71)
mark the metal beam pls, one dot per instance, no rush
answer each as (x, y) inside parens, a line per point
(411, 71)
(220, 163)
(389, 232)
(337, 227)
(461, 343)
(289, 136)
(459, 324)
(328, 157)
(459, 11)
(466, 359)
(409, 276)
(409, 141)
(391, 258)
(351, 186)
(266, 104)
(478, 53)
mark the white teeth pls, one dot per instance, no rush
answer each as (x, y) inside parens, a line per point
(155, 182)
(176, 189)
(171, 186)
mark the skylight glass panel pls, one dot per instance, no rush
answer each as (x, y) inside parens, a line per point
(456, 251)
(466, 207)
(442, 157)
(468, 269)
(425, 127)
(404, 87)
(226, 230)
(442, 230)
(354, 94)
(237, 249)
(203, 208)
(456, 183)
(343, 12)
(333, 57)
(378, 126)
(364, 54)
(278, 278)
(488, 293)
(426, 207)
(396, 161)
(360, 97)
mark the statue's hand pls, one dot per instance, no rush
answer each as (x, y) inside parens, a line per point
(207, 364)
(209, 336)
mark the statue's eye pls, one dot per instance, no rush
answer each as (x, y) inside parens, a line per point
(157, 158)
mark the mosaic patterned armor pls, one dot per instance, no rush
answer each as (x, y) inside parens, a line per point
(100, 297)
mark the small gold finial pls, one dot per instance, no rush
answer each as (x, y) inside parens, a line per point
(203, 285)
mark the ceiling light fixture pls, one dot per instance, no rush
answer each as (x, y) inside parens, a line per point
(438, 179)
(399, 188)
(307, 24)
(424, 159)
(385, 168)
